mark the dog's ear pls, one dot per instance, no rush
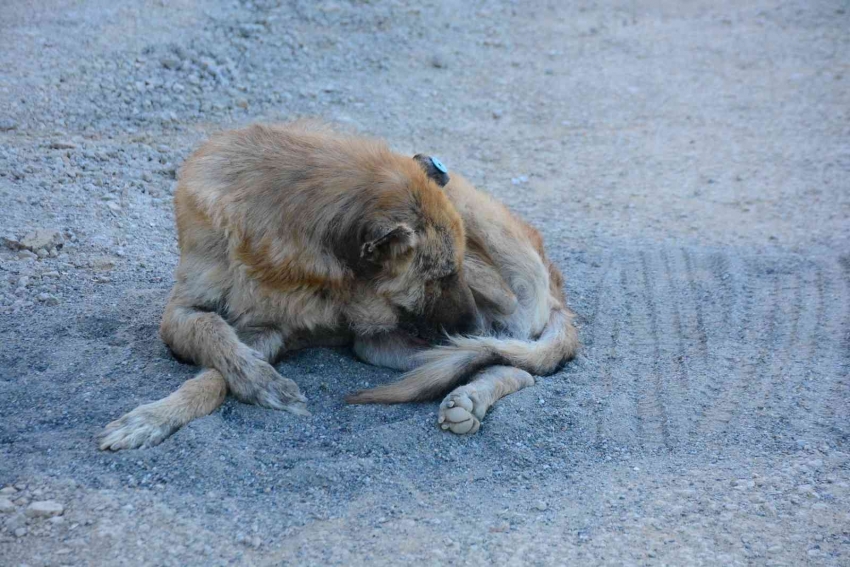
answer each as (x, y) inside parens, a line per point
(433, 168)
(388, 242)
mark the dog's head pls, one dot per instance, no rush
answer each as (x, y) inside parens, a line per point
(410, 248)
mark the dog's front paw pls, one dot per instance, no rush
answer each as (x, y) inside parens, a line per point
(265, 387)
(460, 414)
(142, 427)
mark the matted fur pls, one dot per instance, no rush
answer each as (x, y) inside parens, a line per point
(523, 317)
(292, 234)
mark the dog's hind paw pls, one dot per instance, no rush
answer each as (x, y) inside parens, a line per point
(458, 413)
(143, 427)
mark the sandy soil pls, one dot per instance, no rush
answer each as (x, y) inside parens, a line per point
(687, 163)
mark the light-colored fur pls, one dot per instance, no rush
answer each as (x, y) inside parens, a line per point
(295, 234)
(524, 321)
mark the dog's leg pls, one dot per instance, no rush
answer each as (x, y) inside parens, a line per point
(463, 409)
(208, 340)
(394, 350)
(150, 424)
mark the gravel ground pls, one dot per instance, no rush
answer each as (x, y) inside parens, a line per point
(687, 163)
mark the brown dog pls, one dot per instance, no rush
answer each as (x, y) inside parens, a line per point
(296, 231)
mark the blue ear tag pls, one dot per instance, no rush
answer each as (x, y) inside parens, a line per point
(439, 165)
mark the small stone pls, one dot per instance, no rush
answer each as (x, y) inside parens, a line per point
(23, 501)
(42, 253)
(45, 509)
(57, 520)
(48, 299)
(10, 242)
(102, 263)
(170, 62)
(541, 506)
(146, 176)
(42, 238)
(62, 145)
(20, 532)
(8, 490)
(438, 61)
(242, 103)
(7, 124)
(26, 255)
(6, 506)
(497, 114)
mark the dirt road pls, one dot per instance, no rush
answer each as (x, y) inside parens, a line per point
(687, 163)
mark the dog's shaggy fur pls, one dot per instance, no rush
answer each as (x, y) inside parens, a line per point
(296, 234)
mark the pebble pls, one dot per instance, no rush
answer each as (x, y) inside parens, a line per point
(8, 490)
(438, 62)
(48, 299)
(542, 506)
(42, 239)
(62, 145)
(6, 506)
(10, 242)
(7, 124)
(170, 62)
(20, 532)
(45, 509)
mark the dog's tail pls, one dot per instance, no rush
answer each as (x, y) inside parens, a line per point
(444, 367)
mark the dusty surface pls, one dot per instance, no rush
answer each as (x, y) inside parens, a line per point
(687, 163)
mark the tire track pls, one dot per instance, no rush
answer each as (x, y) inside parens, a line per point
(605, 343)
(744, 355)
(673, 369)
(729, 315)
(837, 401)
(794, 374)
(760, 408)
(649, 390)
(702, 335)
(615, 420)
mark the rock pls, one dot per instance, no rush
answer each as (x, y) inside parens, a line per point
(10, 242)
(541, 506)
(62, 145)
(16, 521)
(242, 103)
(20, 532)
(45, 509)
(7, 124)
(42, 238)
(102, 263)
(6, 506)
(170, 62)
(48, 299)
(438, 61)
(26, 255)
(42, 253)
(8, 490)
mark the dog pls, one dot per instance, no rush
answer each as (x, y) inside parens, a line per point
(296, 234)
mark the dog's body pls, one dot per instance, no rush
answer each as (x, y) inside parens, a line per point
(296, 233)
